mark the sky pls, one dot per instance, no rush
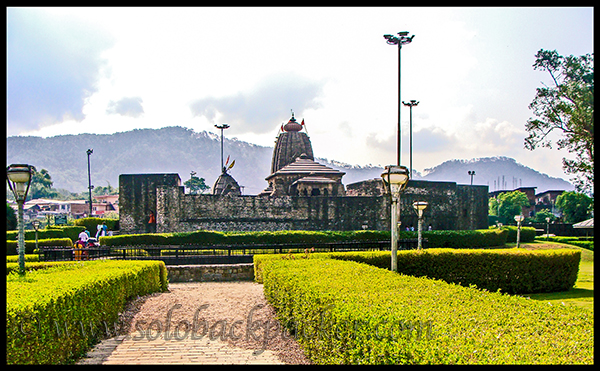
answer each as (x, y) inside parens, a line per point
(106, 70)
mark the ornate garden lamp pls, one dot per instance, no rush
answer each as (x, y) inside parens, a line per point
(18, 177)
(395, 178)
(519, 219)
(36, 226)
(547, 227)
(420, 206)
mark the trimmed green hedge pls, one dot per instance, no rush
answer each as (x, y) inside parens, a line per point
(509, 270)
(359, 314)
(527, 234)
(453, 239)
(28, 258)
(54, 315)
(42, 234)
(13, 267)
(92, 223)
(11, 246)
(584, 242)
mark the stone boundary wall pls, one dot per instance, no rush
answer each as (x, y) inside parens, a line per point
(210, 272)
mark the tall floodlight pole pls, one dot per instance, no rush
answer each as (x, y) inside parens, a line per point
(90, 186)
(399, 40)
(411, 104)
(471, 173)
(222, 127)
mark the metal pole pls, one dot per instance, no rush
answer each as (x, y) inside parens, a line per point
(420, 229)
(411, 168)
(399, 102)
(89, 152)
(394, 233)
(518, 233)
(222, 149)
(21, 237)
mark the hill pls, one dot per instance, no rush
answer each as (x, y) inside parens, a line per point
(180, 150)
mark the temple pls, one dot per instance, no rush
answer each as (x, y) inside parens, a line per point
(294, 171)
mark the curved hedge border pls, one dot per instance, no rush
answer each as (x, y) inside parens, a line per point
(359, 314)
(50, 312)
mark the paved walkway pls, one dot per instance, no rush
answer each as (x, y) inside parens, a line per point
(128, 350)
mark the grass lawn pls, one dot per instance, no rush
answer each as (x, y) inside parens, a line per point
(582, 294)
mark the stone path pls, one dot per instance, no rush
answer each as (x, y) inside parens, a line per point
(224, 302)
(125, 350)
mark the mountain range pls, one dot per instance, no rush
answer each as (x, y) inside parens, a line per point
(180, 150)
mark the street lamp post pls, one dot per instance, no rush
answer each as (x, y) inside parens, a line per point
(547, 228)
(471, 173)
(36, 226)
(399, 40)
(411, 104)
(223, 126)
(395, 179)
(90, 186)
(420, 206)
(18, 177)
(519, 219)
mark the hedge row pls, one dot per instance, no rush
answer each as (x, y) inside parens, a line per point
(28, 258)
(527, 233)
(54, 315)
(13, 267)
(453, 239)
(11, 246)
(586, 243)
(355, 313)
(513, 271)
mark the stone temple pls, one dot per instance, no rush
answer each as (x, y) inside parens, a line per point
(294, 171)
(302, 194)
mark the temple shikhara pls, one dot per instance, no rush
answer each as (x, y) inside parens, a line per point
(294, 171)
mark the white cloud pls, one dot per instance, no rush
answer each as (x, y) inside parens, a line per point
(470, 68)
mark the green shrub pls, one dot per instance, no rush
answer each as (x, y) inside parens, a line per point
(509, 270)
(454, 239)
(586, 243)
(527, 234)
(42, 234)
(92, 223)
(35, 265)
(344, 312)
(28, 258)
(70, 231)
(11, 246)
(54, 315)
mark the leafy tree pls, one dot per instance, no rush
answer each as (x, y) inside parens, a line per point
(540, 216)
(108, 190)
(11, 218)
(567, 106)
(575, 206)
(508, 204)
(41, 185)
(196, 185)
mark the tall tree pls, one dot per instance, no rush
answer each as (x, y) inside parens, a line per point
(575, 207)
(508, 204)
(566, 106)
(41, 185)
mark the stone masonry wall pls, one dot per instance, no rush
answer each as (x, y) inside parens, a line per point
(206, 273)
(451, 207)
